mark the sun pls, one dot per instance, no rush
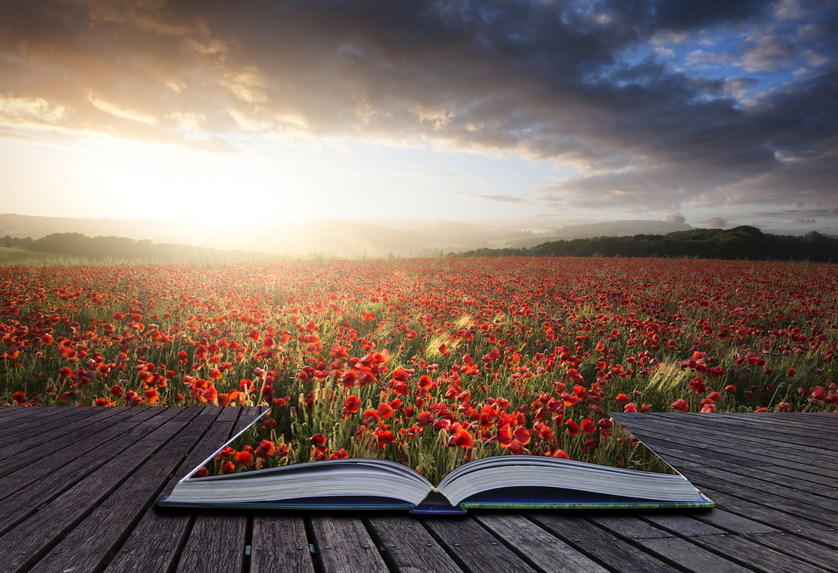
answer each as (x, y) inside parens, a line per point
(106, 177)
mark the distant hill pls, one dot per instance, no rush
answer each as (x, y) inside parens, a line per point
(610, 229)
(160, 230)
(344, 238)
(742, 242)
(58, 246)
(373, 237)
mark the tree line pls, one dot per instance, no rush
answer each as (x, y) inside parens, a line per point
(745, 243)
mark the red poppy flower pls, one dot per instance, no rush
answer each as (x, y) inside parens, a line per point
(339, 454)
(265, 450)
(226, 452)
(350, 406)
(348, 379)
(522, 435)
(681, 404)
(461, 437)
(385, 410)
(151, 395)
(517, 448)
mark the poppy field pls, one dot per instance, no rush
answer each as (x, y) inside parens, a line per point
(430, 362)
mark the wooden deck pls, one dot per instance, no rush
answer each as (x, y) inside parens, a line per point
(78, 488)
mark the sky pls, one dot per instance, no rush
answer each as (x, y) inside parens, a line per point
(716, 113)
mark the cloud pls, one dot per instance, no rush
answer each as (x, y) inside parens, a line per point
(769, 53)
(716, 223)
(509, 199)
(675, 218)
(539, 80)
(702, 59)
(738, 86)
(14, 108)
(123, 112)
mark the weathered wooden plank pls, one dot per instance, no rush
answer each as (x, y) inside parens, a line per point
(788, 549)
(751, 436)
(280, 544)
(689, 557)
(803, 429)
(225, 553)
(29, 539)
(227, 541)
(769, 516)
(732, 522)
(160, 528)
(31, 414)
(53, 416)
(647, 525)
(152, 548)
(36, 493)
(802, 548)
(768, 509)
(11, 412)
(766, 476)
(27, 468)
(769, 477)
(11, 417)
(408, 547)
(343, 545)
(474, 548)
(735, 481)
(710, 522)
(776, 477)
(765, 450)
(669, 547)
(600, 545)
(535, 545)
(229, 415)
(755, 555)
(87, 545)
(246, 417)
(715, 431)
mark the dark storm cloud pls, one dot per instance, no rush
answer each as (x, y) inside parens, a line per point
(543, 80)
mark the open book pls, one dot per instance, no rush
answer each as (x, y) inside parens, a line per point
(500, 482)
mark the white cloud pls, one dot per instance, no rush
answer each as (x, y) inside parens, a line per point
(120, 111)
(768, 54)
(38, 107)
(814, 59)
(702, 59)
